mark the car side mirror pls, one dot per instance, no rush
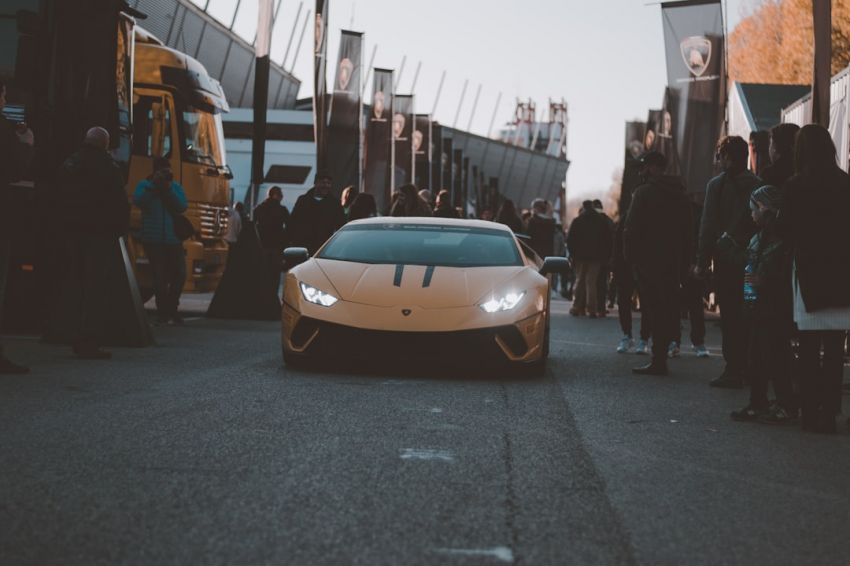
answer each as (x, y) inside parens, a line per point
(295, 256)
(555, 264)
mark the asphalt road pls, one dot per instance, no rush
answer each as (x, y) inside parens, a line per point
(205, 450)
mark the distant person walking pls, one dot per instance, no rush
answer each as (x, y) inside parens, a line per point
(726, 223)
(589, 241)
(444, 208)
(814, 220)
(272, 218)
(626, 283)
(605, 271)
(364, 206)
(160, 199)
(16, 143)
(507, 215)
(97, 214)
(781, 146)
(316, 216)
(407, 202)
(658, 242)
(541, 228)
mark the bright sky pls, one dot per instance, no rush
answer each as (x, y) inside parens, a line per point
(605, 57)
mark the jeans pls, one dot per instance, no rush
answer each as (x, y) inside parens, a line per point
(168, 267)
(587, 286)
(693, 291)
(624, 278)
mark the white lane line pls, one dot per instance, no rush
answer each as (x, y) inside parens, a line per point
(427, 454)
(501, 553)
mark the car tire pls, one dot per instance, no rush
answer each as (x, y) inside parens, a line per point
(538, 368)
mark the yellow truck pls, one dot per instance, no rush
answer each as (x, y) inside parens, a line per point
(177, 110)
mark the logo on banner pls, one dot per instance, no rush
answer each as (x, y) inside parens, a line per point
(417, 140)
(346, 68)
(378, 106)
(398, 125)
(696, 51)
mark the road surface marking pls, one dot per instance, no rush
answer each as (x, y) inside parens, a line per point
(501, 553)
(426, 454)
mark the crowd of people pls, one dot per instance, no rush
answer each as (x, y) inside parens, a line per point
(774, 241)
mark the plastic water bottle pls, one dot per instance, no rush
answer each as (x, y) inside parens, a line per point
(750, 293)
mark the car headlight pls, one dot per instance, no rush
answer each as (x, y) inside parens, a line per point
(502, 303)
(317, 296)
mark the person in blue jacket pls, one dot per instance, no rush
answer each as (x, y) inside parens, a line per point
(160, 198)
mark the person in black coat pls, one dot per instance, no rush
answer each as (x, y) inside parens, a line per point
(316, 216)
(98, 214)
(657, 242)
(813, 219)
(508, 216)
(726, 224)
(589, 242)
(271, 218)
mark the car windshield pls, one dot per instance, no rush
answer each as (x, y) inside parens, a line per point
(423, 244)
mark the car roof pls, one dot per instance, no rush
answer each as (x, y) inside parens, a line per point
(430, 221)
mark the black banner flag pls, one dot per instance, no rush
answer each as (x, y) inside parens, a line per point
(379, 147)
(343, 151)
(403, 139)
(696, 77)
(436, 158)
(422, 151)
(320, 87)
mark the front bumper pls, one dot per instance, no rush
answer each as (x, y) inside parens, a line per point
(521, 341)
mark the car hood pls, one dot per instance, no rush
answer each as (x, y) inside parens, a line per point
(412, 285)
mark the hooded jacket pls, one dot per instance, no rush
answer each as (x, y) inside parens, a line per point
(314, 220)
(658, 233)
(92, 201)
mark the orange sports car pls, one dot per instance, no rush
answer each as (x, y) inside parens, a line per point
(419, 288)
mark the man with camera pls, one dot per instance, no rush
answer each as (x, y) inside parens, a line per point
(160, 200)
(727, 222)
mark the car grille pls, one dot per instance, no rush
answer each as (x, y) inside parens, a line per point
(471, 345)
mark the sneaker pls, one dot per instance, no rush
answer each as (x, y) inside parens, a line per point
(8, 367)
(626, 344)
(701, 350)
(674, 350)
(651, 369)
(777, 415)
(748, 414)
(642, 348)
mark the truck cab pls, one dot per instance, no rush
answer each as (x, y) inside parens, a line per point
(177, 110)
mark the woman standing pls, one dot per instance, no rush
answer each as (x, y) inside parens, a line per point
(814, 219)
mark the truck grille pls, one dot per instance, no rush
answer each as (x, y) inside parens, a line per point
(209, 220)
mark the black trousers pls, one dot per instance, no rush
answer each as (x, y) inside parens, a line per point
(733, 325)
(5, 258)
(771, 359)
(693, 290)
(821, 379)
(659, 292)
(273, 261)
(624, 279)
(89, 274)
(168, 267)
(602, 287)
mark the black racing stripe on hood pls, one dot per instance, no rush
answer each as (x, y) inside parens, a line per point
(429, 273)
(399, 271)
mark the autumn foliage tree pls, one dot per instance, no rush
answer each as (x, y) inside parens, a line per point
(774, 43)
